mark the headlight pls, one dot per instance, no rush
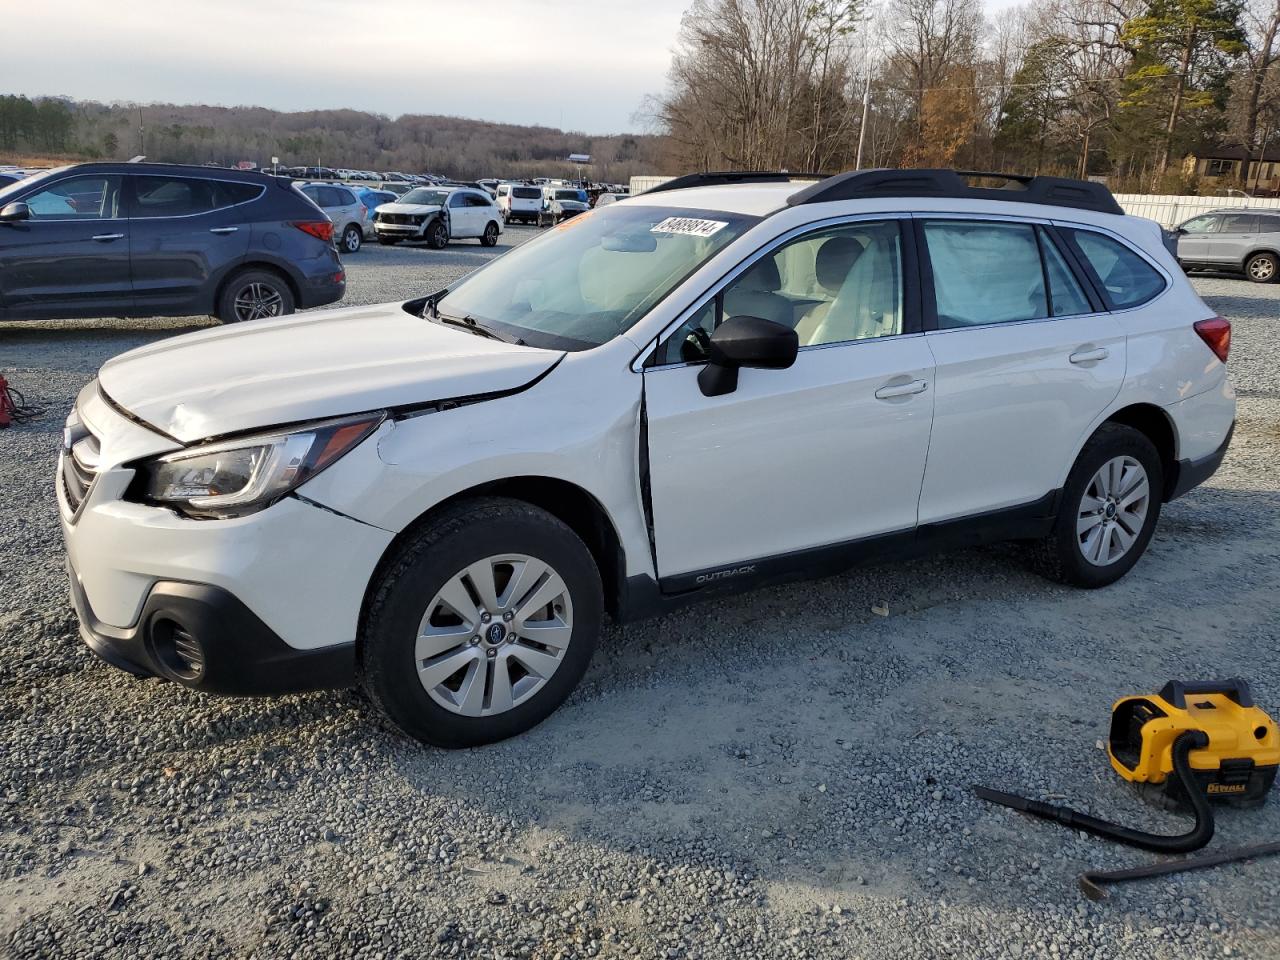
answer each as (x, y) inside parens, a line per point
(241, 476)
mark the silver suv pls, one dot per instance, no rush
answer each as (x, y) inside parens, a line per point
(1236, 240)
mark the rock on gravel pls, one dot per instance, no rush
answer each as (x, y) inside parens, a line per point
(784, 774)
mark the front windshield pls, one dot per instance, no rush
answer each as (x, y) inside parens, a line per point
(594, 276)
(31, 181)
(426, 196)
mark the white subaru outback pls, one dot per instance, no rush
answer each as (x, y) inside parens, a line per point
(734, 379)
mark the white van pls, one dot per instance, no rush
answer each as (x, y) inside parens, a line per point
(519, 201)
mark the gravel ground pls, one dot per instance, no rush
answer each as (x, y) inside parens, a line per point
(783, 774)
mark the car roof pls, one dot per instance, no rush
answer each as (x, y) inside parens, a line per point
(751, 199)
(185, 169)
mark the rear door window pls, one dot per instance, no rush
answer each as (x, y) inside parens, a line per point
(1268, 224)
(985, 272)
(999, 272)
(1126, 279)
(1239, 223)
(335, 197)
(526, 193)
(157, 196)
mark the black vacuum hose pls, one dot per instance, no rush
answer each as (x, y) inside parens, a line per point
(1194, 839)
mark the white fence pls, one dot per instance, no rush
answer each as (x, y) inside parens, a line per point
(1169, 211)
(1166, 210)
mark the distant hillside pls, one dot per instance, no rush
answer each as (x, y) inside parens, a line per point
(333, 138)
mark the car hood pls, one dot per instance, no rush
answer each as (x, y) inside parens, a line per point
(408, 208)
(308, 366)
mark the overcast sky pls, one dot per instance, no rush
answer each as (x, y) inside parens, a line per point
(575, 64)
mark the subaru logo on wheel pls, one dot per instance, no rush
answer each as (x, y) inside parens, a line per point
(496, 633)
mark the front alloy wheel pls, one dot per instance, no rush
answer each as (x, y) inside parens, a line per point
(494, 635)
(481, 623)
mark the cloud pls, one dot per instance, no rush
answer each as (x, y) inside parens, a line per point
(581, 64)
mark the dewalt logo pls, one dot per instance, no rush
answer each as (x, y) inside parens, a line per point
(1226, 788)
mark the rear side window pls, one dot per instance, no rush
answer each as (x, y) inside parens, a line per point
(229, 194)
(1125, 278)
(1269, 224)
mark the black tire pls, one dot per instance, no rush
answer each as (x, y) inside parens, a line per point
(271, 290)
(490, 238)
(437, 235)
(1262, 268)
(352, 238)
(1060, 556)
(388, 241)
(447, 544)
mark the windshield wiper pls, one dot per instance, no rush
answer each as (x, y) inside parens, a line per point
(470, 323)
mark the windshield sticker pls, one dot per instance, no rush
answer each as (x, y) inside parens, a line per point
(690, 226)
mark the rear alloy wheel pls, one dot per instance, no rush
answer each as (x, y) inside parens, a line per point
(437, 235)
(352, 238)
(1108, 510)
(254, 295)
(1262, 268)
(490, 238)
(513, 612)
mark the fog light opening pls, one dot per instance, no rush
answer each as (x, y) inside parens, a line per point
(178, 652)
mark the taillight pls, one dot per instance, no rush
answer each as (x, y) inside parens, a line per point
(1216, 333)
(320, 229)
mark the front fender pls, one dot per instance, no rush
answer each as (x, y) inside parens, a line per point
(413, 464)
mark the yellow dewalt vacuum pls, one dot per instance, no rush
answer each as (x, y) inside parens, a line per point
(1188, 746)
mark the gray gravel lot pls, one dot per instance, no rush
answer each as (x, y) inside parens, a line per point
(783, 774)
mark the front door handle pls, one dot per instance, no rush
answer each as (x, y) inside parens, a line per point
(902, 389)
(108, 237)
(1090, 356)
(223, 229)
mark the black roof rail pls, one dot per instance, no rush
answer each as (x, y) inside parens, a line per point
(1019, 188)
(725, 177)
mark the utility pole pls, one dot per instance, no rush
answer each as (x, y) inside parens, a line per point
(142, 134)
(1262, 155)
(866, 110)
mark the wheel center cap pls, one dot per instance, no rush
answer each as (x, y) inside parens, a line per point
(1110, 510)
(495, 634)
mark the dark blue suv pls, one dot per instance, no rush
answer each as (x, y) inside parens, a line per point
(149, 239)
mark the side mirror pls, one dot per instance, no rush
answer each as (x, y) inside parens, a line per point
(15, 211)
(745, 342)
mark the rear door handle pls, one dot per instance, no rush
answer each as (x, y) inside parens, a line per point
(902, 389)
(1089, 356)
(107, 237)
(223, 229)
